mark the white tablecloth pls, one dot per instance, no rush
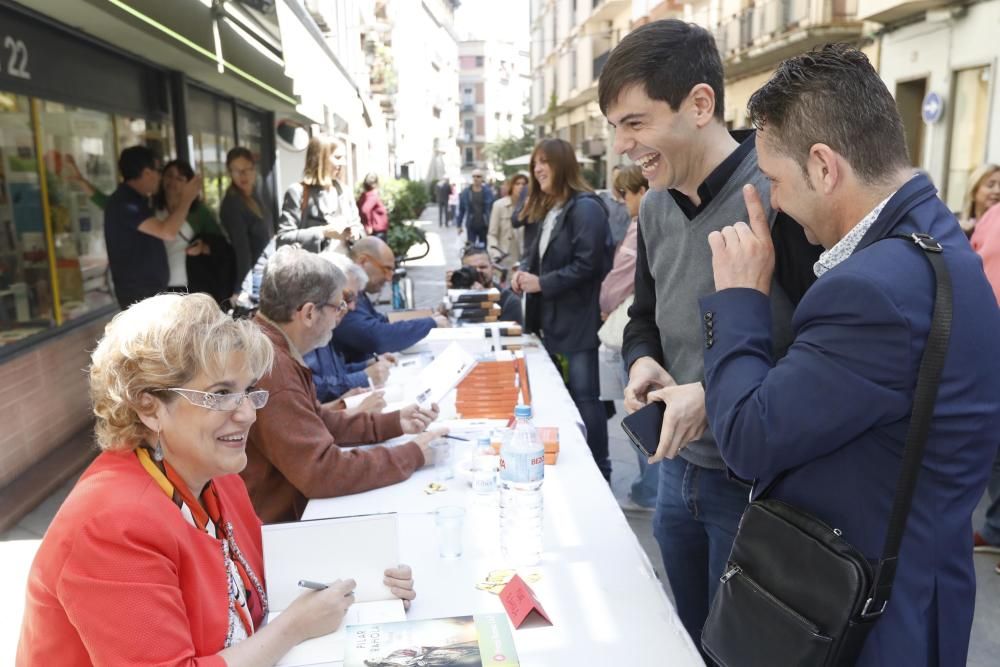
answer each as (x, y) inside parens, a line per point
(597, 585)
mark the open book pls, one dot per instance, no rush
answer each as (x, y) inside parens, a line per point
(430, 384)
(324, 550)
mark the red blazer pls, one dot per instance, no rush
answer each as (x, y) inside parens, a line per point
(122, 579)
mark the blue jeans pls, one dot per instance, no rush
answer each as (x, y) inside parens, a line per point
(697, 513)
(585, 389)
(645, 487)
(477, 236)
(991, 528)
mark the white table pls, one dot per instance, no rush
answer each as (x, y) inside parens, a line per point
(597, 585)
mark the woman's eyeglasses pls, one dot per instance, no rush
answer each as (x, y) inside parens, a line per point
(222, 402)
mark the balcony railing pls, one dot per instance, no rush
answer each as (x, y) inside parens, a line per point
(770, 20)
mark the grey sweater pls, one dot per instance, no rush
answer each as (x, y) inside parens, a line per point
(680, 262)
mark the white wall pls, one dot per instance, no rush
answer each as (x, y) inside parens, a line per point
(936, 51)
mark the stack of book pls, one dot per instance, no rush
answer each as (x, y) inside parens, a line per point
(474, 305)
(549, 435)
(489, 391)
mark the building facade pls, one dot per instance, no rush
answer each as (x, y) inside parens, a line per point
(939, 59)
(424, 49)
(571, 40)
(494, 84)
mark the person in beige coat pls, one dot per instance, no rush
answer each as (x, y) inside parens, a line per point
(502, 235)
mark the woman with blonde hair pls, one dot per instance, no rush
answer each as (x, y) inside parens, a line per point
(562, 273)
(503, 236)
(982, 193)
(155, 557)
(319, 212)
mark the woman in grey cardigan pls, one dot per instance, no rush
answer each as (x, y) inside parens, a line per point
(319, 212)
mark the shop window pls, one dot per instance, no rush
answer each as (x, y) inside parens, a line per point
(26, 303)
(155, 135)
(211, 135)
(80, 161)
(969, 126)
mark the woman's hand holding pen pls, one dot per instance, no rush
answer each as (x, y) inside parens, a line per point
(316, 613)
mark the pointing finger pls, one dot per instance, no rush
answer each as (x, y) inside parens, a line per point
(755, 211)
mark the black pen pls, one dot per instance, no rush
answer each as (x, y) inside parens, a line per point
(315, 585)
(455, 437)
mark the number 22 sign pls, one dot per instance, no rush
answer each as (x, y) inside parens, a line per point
(17, 58)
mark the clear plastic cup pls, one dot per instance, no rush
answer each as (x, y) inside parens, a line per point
(448, 522)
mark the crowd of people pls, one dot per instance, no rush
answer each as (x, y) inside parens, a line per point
(753, 282)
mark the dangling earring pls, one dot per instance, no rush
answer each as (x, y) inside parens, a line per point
(158, 450)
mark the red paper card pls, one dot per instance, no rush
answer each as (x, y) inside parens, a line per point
(520, 601)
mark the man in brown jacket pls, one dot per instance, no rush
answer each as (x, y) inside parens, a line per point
(292, 451)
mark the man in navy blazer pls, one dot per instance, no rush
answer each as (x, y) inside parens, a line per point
(831, 416)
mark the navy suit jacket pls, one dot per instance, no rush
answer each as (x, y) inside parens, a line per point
(333, 376)
(833, 413)
(364, 332)
(578, 256)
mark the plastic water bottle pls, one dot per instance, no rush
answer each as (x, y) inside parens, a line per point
(522, 472)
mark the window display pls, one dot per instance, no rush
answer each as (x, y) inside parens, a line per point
(26, 305)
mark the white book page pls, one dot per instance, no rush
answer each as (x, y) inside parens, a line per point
(324, 550)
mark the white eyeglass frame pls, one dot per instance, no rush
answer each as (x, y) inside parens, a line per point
(212, 401)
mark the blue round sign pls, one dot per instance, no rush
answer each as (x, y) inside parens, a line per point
(932, 108)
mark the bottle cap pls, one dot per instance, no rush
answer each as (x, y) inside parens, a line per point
(522, 411)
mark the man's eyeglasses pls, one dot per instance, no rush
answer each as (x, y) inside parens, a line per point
(222, 402)
(249, 171)
(388, 270)
(339, 307)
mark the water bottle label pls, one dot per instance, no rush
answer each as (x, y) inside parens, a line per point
(521, 468)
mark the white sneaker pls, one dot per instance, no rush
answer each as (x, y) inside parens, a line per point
(628, 505)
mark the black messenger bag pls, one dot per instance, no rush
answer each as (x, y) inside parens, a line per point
(795, 592)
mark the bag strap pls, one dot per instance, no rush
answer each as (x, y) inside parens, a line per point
(924, 397)
(302, 206)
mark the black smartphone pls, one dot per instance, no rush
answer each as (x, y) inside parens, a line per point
(643, 426)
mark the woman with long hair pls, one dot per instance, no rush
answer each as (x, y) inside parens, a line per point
(982, 193)
(319, 212)
(249, 223)
(561, 275)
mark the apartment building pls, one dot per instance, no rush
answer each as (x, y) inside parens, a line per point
(571, 40)
(494, 82)
(424, 47)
